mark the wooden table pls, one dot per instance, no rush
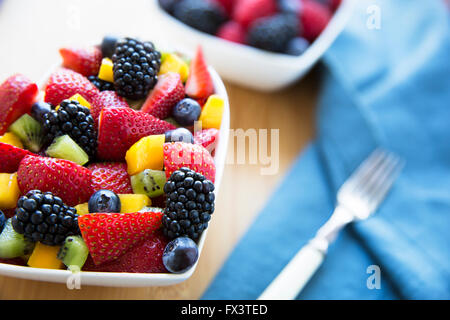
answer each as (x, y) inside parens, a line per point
(31, 33)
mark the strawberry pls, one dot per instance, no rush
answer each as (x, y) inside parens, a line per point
(207, 138)
(110, 235)
(245, 12)
(199, 83)
(145, 257)
(104, 99)
(64, 83)
(120, 128)
(232, 31)
(314, 17)
(17, 95)
(111, 176)
(10, 157)
(193, 156)
(65, 179)
(227, 5)
(167, 92)
(86, 61)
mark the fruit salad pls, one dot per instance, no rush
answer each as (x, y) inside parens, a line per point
(283, 26)
(101, 168)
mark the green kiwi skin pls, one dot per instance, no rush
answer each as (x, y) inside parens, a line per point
(73, 252)
(149, 182)
(13, 244)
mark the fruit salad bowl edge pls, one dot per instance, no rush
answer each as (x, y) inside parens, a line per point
(124, 279)
(247, 66)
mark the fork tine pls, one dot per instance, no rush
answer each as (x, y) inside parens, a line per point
(375, 176)
(385, 182)
(363, 171)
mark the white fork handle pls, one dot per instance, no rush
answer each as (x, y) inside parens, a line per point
(288, 284)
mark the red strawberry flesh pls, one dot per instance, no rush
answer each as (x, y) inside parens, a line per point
(120, 128)
(199, 83)
(10, 157)
(86, 61)
(105, 99)
(167, 92)
(65, 179)
(111, 176)
(110, 235)
(17, 95)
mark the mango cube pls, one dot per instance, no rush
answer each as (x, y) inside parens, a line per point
(106, 70)
(82, 208)
(133, 202)
(78, 97)
(211, 116)
(147, 153)
(173, 63)
(9, 190)
(12, 139)
(44, 256)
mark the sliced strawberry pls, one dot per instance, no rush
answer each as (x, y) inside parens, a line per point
(227, 5)
(104, 99)
(193, 156)
(111, 176)
(65, 179)
(17, 95)
(120, 128)
(232, 31)
(167, 92)
(110, 235)
(64, 83)
(86, 61)
(146, 257)
(10, 157)
(199, 83)
(208, 138)
(314, 17)
(245, 12)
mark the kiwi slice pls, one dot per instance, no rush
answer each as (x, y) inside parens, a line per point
(73, 252)
(149, 182)
(64, 147)
(29, 132)
(13, 244)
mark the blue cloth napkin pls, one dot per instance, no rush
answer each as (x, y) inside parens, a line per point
(387, 87)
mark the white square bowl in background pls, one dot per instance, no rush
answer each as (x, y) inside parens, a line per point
(123, 279)
(245, 65)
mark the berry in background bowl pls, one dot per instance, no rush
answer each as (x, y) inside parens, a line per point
(101, 171)
(261, 44)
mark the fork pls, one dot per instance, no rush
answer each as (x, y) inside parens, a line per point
(357, 199)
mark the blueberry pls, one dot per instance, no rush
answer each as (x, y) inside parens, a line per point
(108, 45)
(180, 255)
(104, 201)
(39, 109)
(179, 135)
(297, 46)
(289, 6)
(2, 221)
(186, 112)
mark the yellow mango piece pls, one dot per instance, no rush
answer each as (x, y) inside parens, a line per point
(106, 70)
(82, 208)
(12, 139)
(211, 116)
(147, 153)
(44, 256)
(133, 202)
(78, 97)
(173, 63)
(9, 190)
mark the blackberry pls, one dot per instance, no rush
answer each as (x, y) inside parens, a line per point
(101, 85)
(206, 16)
(44, 217)
(189, 205)
(136, 66)
(273, 33)
(72, 119)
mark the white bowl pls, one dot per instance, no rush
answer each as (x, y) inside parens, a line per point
(122, 279)
(247, 66)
